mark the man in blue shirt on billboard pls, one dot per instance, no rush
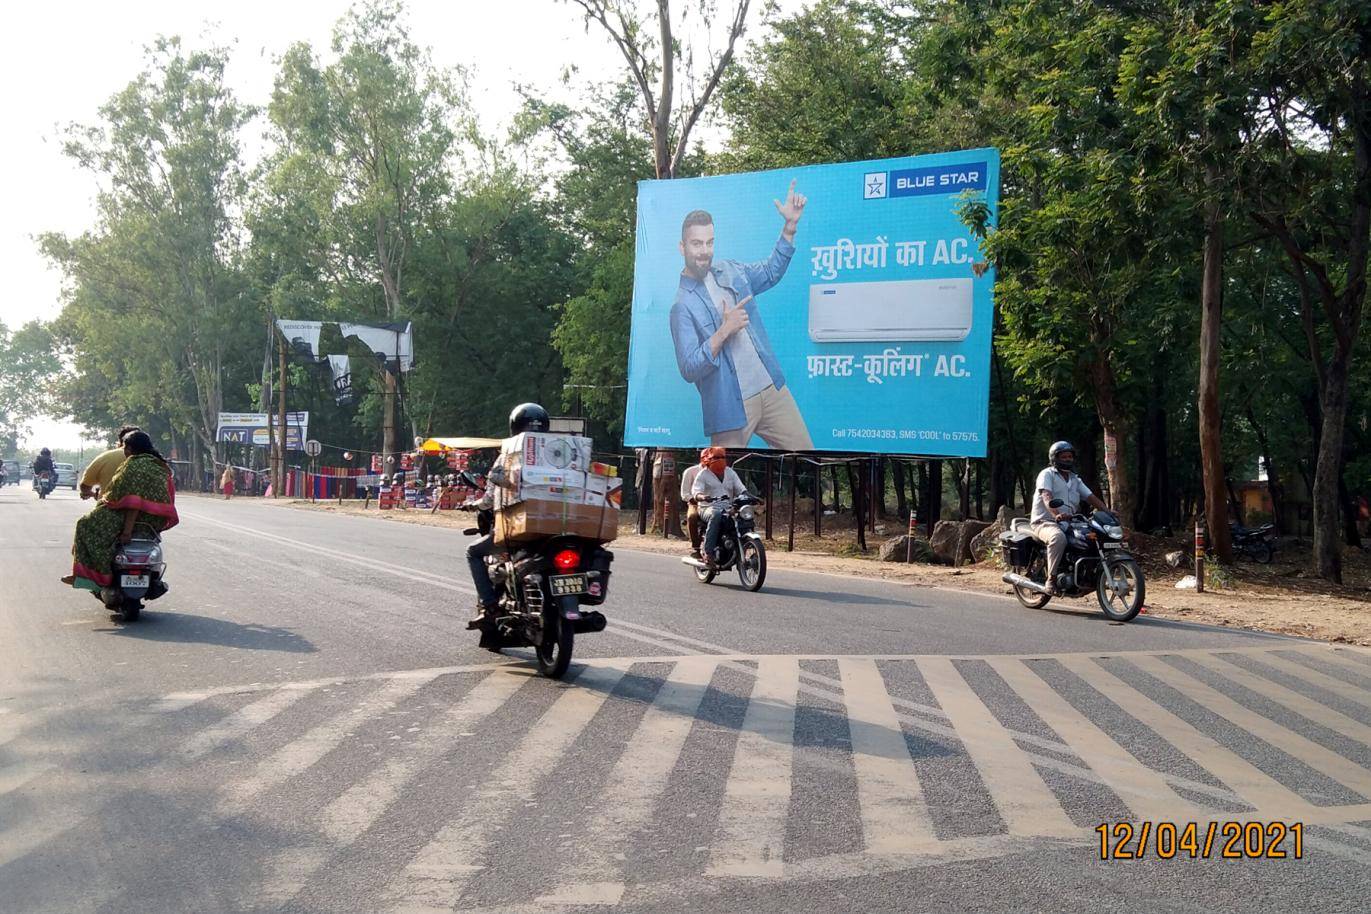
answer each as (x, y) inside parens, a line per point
(721, 344)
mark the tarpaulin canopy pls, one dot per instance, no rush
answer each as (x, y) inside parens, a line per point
(438, 445)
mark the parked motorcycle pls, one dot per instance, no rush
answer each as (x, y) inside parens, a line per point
(139, 568)
(1097, 560)
(740, 546)
(44, 483)
(1256, 543)
(541, 587)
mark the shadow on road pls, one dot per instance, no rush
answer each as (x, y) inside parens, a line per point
(185, 628)
(832, 597)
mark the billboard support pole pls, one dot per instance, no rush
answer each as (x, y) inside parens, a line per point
(860, 504)
(770, 484)
(819, 500)
(644, 491)
(877, 492)
(794, 468)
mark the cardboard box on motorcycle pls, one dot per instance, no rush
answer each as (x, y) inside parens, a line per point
(549, 491)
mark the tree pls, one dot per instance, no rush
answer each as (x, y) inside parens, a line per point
(374, 134)
(153, 308)
(663, 52)
(28, 366)
(1315, 199)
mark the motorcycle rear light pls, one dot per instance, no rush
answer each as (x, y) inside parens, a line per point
(567, 560)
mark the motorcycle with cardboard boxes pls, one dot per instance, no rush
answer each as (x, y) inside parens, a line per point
(554, 509)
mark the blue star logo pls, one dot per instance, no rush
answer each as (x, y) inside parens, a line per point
(873, 187)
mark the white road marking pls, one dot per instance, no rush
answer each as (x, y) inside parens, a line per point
(1301, 704)
(895, 816)
(1322, 759)
(636, 783)
(1027, 805)
(1258, 789)
(241, 721)
(298, 755)
(757, 795)
(435, 878)
(1146, 792)
(351, 814)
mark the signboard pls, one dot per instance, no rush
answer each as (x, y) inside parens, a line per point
(313, 448)
(825, 308)
(567, 425)
(251, 428)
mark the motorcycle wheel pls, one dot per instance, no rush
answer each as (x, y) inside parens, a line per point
(554, 651)
(1261, 553)
(130, 611)
(705, 575)
(1031, 598)
(752, 564)
(1122, 607)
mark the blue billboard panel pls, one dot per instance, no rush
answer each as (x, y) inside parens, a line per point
(823, 308)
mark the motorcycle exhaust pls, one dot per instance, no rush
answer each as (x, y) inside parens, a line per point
(694, 563)
(1019, 580)
(590, 623)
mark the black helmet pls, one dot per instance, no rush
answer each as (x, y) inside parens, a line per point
(45, 452)
(528, 417)
(1055, 452)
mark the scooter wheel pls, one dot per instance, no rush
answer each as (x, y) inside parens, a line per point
(130, 611)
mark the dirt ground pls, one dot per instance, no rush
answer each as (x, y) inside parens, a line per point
(1284, 597)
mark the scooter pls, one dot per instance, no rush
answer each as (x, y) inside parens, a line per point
(740, 546)
(139, 568)
(44, 483)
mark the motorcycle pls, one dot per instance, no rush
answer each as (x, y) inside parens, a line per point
(1256, 543)
(1097, 560)
(139, 569)
(740, 546)
(540, 590)
(44, 483)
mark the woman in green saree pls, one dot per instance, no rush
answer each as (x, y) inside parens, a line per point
(141, 493)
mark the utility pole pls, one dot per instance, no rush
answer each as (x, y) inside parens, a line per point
(281, 431)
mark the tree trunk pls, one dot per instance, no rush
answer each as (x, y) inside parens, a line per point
(1210, 417)
(933, 496)
(1351, 536)
(1116, 440)
(1328, 471)
(901, 501)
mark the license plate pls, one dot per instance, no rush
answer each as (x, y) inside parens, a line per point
(568, 585)
(133, 580)
(1111, 545)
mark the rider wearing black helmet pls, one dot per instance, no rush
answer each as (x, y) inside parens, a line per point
(42, 464)
(526, 417)
(1058, 482)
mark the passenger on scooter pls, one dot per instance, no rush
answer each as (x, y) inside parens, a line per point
(693, 523)
(100, 472)
(1058, 481)
(526, 417)
(713, 490)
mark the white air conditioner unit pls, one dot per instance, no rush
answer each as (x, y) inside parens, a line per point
(897, 311)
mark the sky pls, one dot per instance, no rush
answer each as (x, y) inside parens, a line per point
(64, 60)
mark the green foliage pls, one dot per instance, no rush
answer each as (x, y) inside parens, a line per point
(28, 366)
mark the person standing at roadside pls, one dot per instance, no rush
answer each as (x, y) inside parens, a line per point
(665, 514)
(227, 482)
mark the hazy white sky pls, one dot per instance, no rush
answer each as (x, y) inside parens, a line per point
(64, 59)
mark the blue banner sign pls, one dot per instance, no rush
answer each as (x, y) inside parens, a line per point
(824, 308)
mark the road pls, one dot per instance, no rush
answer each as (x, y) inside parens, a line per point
(303, 724)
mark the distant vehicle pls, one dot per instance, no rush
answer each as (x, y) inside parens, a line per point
(12, 472)
(66, 475)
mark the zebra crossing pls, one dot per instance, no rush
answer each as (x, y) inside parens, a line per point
(486, 787)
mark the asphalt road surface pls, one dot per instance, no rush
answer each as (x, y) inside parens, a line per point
(303, 724)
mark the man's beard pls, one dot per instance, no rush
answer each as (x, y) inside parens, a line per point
(698, 267)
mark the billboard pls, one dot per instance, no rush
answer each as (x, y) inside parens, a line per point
(251, 428)
(823, 308)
